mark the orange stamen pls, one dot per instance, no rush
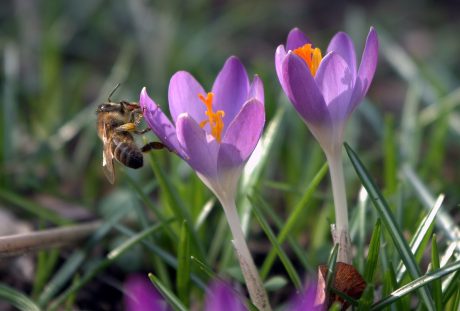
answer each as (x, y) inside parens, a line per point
(214, 118)
(311, 56)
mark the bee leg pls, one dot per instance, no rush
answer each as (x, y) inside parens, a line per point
(154, 145)
(127, 127)
(140, 132)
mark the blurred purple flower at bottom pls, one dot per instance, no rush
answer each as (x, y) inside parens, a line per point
(306, 300)
(141, 295)
(221, 297)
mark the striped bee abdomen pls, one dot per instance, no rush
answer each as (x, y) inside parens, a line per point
(125, 150)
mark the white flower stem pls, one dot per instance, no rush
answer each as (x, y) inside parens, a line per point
(254, 284)
(340, 232)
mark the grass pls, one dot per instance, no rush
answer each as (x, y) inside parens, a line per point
(61, 60)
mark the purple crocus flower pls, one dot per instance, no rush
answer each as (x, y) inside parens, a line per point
(221, 296)
(141, 295)
(325, 91)
(216, 132)
(305, 301)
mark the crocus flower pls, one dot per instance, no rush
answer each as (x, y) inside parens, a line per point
(215, 133)
(221, 296)
(305, 301)
(141, 295)
(325, 90)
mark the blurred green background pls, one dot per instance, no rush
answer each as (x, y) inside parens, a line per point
(60, 59)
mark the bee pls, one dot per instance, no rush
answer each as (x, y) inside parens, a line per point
(116, 122)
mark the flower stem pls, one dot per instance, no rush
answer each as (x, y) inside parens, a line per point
(340, 232)
(254, 284)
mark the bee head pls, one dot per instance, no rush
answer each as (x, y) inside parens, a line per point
(109, 107)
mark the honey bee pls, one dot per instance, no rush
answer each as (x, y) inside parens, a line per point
(116, 121)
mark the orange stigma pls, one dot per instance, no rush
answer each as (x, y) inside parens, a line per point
(311, 56)
(214, 118)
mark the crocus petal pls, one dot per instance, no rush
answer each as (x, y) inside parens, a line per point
(335, 82)
(141, 295)
(302, 91)
(367, 67)
(183, 96)
(240, 140)
(201, 150)
(296, 39)
(221, 297)
(230, 89)
(245, 130)
(306, 300)
(342, 44)
(280, 55)
(256, 89)
(160, 124)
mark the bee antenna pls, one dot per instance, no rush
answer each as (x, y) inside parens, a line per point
(113, 91)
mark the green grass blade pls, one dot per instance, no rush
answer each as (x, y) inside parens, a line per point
(183, 267)
(293, 219)
(166, 257)
(331, 268)
(279, 250)
(103, 264)
(17, 299)
(204, 267)
(373, 254)
(367, 298)
(437, 289)
(456, 301)
(69, 268)
(167, 294)
(422, 235)
(389, 143)
(390, 224)
(279, 223)
(418, 283)
(253, 169)
(443, 220)
(176, 203)
(451, 288)
(33, 208)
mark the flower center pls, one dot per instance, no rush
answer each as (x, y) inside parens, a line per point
(311, 56)
(214, 118)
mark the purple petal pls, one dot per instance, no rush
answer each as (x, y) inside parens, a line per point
(302, 91)
(256, 89)
(230, 89)
(296, 39)
(342, 44)
(221, 297)
(367, 67)
(160, 124)
(200, 147)
(280, 55)
(183, 96)
(306, 300)
(245, 130)
(141, 295)
(239, 142)
(335, 82)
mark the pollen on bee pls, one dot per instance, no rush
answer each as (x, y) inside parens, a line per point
(311, 56)
(214, 118)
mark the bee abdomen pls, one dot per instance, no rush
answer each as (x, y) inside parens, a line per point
(128, 154)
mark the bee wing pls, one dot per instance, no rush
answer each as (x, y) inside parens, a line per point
(107, 159)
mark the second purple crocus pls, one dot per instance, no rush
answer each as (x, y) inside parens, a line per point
(215, 133)
(325, 91)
